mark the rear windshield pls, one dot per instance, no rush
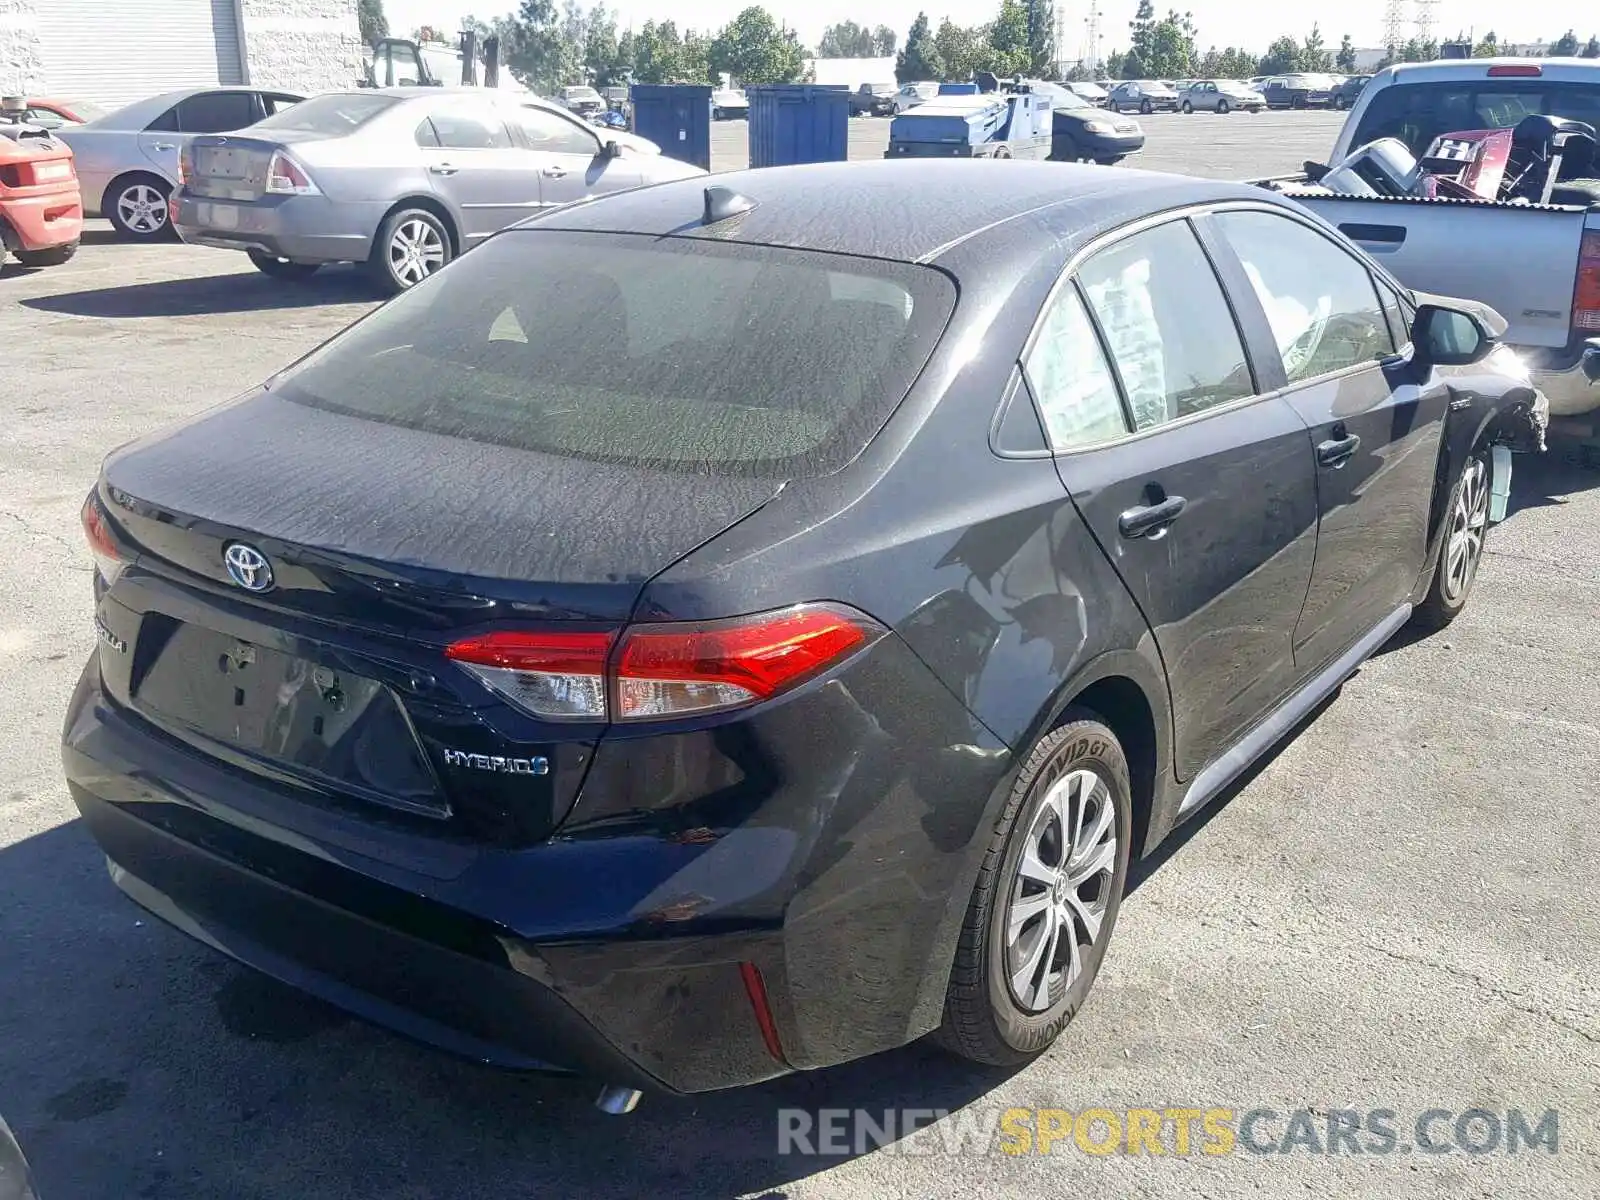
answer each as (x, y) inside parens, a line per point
(696, 356)
(333, 114)
(1416, 113)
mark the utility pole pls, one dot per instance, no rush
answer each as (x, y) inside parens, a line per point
(1091, 37)
(1394, 26)
(1425, 20)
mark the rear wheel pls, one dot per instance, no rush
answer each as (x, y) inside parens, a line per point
(411, 245)
(1064, 149)
(52, 257)
(1046, 899)
(1460, 546)
(1111, 161)
(282, 268)
(1146, 107)
(136, 206)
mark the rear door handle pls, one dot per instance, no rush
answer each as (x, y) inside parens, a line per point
(443, 169)
(1151, 520)
(164, 146)
(555, 172)
(1338, 451)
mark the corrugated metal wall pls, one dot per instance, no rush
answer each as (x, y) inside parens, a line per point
(114, 54)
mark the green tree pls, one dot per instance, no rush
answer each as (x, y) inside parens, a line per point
(884, 41)
(1007, 41)
(753, 48)
(1565, 46)
(1132, 67)
(1041, 39)
(959, 51)
(1111, 67)
(374, 24)
(1345, 60)
(846, 40)
(603, 56)
(1141, 31)
(1282, 55)
(920, 58)
(1171, 54)
(1489, 47)
(1314, 55)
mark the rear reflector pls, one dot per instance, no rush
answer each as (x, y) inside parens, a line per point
(1516, 71)
(667, 670)
(102, 546)
(285, 177)
(1586, 294)
(756, 988)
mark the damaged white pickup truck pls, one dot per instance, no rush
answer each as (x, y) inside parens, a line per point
(1481, 178)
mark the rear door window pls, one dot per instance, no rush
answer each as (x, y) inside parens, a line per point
(470, 128)
(1070, 379)
(554, 134)
(703, 357)
(1168, 324)
(217, 112)
(1319, 299)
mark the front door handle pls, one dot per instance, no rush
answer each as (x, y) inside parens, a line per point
(1338, 451)
(1151, 520)
(555, 172)
(164, 146)
(443, 169)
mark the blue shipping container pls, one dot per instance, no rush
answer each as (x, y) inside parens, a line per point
(798, 123)
(676, 117)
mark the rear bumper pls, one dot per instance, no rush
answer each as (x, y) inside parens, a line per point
(302, 228)
(1560, 377)
(41, 222)
(1109, 145)
(830, 846)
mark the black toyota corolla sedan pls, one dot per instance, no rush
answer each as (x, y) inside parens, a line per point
(712, 632)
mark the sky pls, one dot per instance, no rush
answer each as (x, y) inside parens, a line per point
(1220, 22)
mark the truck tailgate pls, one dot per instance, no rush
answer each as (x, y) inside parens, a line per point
(1520, 259)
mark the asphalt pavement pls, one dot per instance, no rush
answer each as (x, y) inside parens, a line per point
(1395, 912)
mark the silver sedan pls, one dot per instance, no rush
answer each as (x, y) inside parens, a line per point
(399, 179)
(128, 160)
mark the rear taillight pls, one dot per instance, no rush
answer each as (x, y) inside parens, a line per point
(285, 177)
(108, 558)
(1516, 71)
(1586, 293)
(667, 670)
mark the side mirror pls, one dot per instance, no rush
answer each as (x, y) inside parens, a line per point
(1451, 337)
(612, 149)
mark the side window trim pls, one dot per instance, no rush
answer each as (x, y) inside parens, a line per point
(1253, 302)
(1194, 216)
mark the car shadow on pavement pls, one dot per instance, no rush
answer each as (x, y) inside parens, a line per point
(207, 294)
(134, 1062)
(1541, 480)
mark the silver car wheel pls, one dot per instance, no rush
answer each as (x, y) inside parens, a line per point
(416, 250)
(142, 208)
(1468, 521)
(1062, 887)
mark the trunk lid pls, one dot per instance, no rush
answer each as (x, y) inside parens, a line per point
(385, 544)
(233, 167)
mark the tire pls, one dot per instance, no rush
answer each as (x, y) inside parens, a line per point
(1068, 150)
(282, 268)
(1111, 161)
(1077, 768)
(390, 263)
(1188, 108)
(1002, 153)
(1466, 522)
(1222, 108)
(1339, 103)
(1146, 107)
(52, 257)
(136, 206)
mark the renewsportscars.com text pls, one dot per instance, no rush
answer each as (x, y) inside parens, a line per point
(1170, 1130)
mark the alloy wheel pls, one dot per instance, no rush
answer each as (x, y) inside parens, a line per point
(416, 250)
(142, 208)
(1469, 518)
(1063, 883)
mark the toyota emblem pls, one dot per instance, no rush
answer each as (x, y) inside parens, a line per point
(248, 567)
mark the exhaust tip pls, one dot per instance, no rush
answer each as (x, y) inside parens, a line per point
(617, 1100)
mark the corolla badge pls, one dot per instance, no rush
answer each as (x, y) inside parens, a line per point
(247, 567)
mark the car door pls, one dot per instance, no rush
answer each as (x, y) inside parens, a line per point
(1198, 489)
(1375, 422)
(203, 112)
(566, 156)
(485, 178)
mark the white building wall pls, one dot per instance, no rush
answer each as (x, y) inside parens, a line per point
(21, 66)
(301, 45)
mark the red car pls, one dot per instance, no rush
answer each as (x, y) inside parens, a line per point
(41, 212)
(51, 113)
